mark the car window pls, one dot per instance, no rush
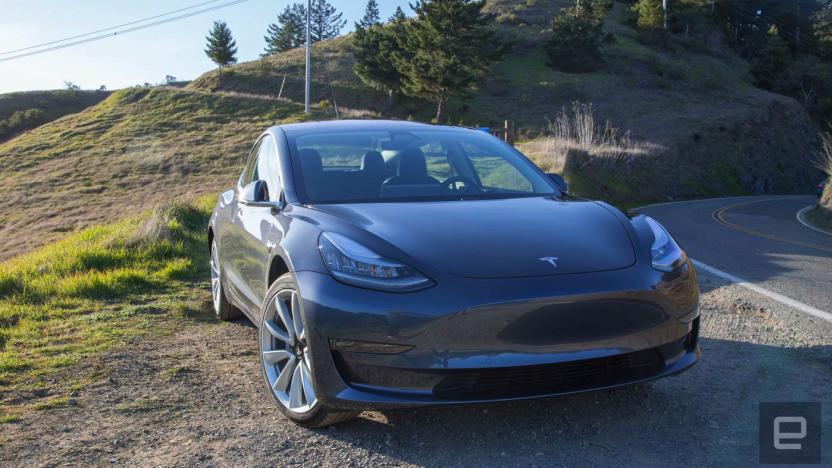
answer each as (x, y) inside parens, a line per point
(436, 157)
(367, 166)
(251, 164)
(495, 171)
(266, 167)
(343, 152)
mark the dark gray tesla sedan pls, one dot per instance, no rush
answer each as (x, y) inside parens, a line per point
(391, 264)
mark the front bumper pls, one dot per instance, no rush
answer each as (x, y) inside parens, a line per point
(490, 340)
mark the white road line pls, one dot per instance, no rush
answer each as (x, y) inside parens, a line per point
(807, 309)
(799, 217)
(737, 197)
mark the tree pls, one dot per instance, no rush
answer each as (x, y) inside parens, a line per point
(771, 61)
(371, 15)
(325, 22)
(222, 48)
(575, 45)
(398, 15)
(822, 27)
(649, 14)
(374, 49)
(71, 86)
(289, 32)
(449, 46)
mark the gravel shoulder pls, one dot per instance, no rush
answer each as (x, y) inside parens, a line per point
(196, 397)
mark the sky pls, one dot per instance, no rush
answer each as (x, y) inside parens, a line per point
(175, 48)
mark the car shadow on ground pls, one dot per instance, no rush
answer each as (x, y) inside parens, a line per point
(707, 415)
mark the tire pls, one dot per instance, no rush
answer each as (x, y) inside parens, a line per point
(222, 308)
(302, 408)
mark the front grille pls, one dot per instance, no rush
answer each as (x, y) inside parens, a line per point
(509, 382)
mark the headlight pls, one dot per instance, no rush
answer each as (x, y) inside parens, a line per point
(352, 263)
(665, 253)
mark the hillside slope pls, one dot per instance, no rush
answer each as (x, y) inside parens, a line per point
(713, 131)
(48, 105)
(710, 131)
(136, 149)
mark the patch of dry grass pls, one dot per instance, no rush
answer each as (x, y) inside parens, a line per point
(137, 149)
(576, 129)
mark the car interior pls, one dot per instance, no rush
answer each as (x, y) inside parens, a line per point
(398, 171)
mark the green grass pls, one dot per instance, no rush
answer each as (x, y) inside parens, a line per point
(142, 144)
(96, 289)
(48, 105)
(9, 418)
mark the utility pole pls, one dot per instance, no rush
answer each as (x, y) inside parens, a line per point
(664, 11)
(308, 55)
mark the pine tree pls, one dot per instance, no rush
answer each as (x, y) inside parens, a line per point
(770, 63)
(222, 48)
(289, 32)
(375, 49)
(576, 37)
(449, 46)
(371, 15)
(822, 26)
(398, 15)
(325, 22)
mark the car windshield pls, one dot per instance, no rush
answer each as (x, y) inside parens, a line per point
(416, 165)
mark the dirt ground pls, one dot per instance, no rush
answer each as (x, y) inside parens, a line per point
(197, 398)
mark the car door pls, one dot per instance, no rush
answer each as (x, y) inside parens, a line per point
(254, 227)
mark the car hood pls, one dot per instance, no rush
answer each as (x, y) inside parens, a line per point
(501, 238)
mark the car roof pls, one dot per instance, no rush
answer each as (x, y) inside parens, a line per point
(296, 129)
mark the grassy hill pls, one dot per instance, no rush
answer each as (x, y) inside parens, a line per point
(26, 110)
(136, 149)
(688, 120)
(709, 130)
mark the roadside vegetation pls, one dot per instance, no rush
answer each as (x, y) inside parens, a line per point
(24, 111)
(822, 215)
(140, 147)
(93, 290)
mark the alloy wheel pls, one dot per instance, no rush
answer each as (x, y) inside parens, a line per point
(216, 284)
(286, 354)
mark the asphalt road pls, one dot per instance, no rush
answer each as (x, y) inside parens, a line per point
(758, 239)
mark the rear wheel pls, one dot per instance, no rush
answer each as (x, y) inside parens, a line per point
(285, 358)
(222, 308)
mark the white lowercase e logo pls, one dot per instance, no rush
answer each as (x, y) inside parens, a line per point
(779, 435)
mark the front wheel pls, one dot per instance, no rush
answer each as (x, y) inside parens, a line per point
(222, 308)
(285, 358)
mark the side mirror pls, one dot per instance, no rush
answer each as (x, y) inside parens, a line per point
(560, 182)
(257, 194)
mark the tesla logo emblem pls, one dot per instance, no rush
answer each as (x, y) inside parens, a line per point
(550, 260)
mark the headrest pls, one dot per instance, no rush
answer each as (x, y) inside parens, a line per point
(372, 162)
(310, 162)
(412, 163)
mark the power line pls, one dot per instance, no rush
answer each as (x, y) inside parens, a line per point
(124, 31)
(37, 46)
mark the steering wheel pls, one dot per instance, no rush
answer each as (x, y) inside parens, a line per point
(450, 184)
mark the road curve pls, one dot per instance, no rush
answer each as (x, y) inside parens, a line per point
(757, 238)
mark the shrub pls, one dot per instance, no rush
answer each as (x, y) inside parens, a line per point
(575, 45)
(20, 121)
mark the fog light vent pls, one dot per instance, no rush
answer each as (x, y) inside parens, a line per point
(367, 347)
